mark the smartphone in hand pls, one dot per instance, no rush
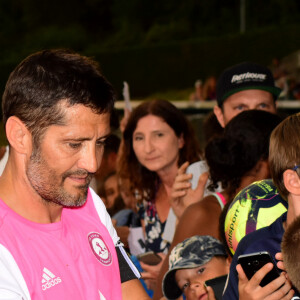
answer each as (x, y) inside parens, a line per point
(149, 258)
(217, 284)
(252, 262)
(196, 168)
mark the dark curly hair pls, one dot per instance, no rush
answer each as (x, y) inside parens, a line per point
(245, 141)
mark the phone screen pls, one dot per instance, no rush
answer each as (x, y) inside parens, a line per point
(196, 169)
(251, 263)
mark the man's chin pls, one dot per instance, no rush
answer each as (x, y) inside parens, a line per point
(75, 202)
(75, 199)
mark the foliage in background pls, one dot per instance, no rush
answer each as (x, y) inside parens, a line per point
(126, 23)
(154, 45)
(176, 65)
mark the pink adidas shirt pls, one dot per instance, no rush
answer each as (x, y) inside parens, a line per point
(72, 259)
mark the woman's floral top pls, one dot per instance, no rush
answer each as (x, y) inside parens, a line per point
(153, 227)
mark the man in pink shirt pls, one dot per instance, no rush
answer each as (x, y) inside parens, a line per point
(56, 238)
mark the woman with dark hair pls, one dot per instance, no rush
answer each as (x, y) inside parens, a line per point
(235, 159)
(156, 140)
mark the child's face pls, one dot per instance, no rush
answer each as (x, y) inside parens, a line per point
(111, 190)
(191, 281)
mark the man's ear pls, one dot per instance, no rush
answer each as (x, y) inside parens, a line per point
(219, 115)
(291, 181)
(18, 135)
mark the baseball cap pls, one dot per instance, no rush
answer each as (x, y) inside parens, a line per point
(245, 76)
(191, 253)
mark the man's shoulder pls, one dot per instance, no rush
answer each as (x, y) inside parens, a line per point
(98, 208)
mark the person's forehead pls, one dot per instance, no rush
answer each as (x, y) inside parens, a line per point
(81, 120)
(151, 118)
(249, 96)
(111, 180)
(153, 123)
(76, 112)
(194, 268)
(182, 274)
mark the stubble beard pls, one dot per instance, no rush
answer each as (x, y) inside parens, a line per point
(50, 186)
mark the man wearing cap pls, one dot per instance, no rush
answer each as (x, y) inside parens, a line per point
(191, 263)
(245, 86)
(242, 87)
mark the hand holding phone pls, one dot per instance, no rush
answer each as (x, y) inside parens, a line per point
(253, 262)
(196, 169)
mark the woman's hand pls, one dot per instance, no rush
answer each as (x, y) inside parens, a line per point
(182, 195)
(150, 273)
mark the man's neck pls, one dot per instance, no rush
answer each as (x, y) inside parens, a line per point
(18, 195)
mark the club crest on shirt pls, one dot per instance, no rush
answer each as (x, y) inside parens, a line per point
(99, 248)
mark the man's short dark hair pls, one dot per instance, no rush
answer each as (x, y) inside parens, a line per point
(44, 79)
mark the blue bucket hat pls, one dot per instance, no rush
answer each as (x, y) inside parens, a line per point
(191, 253)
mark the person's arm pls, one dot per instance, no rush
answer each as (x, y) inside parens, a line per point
(131, 286)
(133, 290)
(123, 233)
(205, 221)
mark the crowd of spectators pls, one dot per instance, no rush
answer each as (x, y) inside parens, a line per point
(288, 81)
(183, 214)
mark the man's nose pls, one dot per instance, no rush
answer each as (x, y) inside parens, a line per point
(90, 160)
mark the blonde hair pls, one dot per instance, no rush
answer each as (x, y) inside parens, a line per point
(284, 151)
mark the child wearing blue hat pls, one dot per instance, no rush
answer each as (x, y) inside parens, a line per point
(191, 263)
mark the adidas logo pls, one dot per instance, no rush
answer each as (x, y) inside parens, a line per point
(49, 279)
